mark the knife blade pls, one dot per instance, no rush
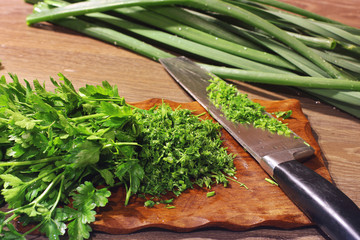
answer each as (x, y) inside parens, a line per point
(336, 214)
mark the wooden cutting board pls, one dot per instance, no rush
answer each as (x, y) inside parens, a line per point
(233, 207)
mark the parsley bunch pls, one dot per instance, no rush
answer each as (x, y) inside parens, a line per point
(237, 107)
(62, 144)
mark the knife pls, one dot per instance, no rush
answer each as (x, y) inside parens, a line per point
(280, 156)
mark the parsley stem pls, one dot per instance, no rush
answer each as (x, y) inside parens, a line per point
(34, 202)
(59, 194)
(120, 100)
(121, 144)
(128, 194)
(87, 117)
(32, 229)
(30, 162)
(271, 181)
(241, 184)
(9, 219)
(44, 175)
(43, 194)
(201, 114)
(4, 120)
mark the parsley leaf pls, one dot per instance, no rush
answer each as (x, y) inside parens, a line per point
(53, 229)
(78, 230)
(86, 198)
(86, 153)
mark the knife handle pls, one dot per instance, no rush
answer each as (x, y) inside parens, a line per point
(336, 214)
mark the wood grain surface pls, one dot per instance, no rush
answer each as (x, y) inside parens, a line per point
(234, 207)
(347, 11)
(44, 50)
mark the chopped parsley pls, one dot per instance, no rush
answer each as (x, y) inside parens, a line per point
(271, 181)
(283, 114)
(180, 150)
(237, 107)
(149, 203)
(210, 194)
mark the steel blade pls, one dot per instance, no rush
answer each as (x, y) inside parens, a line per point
(269, 149)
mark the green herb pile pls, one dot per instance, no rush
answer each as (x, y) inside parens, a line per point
(62, 145)
(263, 41)
(179, 150)
(237, 107)
(62, 152)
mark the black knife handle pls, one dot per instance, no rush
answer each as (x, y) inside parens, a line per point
(336, 214)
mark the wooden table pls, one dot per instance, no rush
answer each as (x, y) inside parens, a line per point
(43, 51)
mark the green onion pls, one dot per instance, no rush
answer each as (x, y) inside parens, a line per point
(317, 42)
(278, 79)
(85, 7)
(108, 35)
(186, 45)
(261, 41)
(198, 36)
(183, 44)
(213, 5)
(196, 20)
(350, 108)
(319, 28)
(113, 37)
(264, 41)
(253, 20)
(349, 64)
(294, 9)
